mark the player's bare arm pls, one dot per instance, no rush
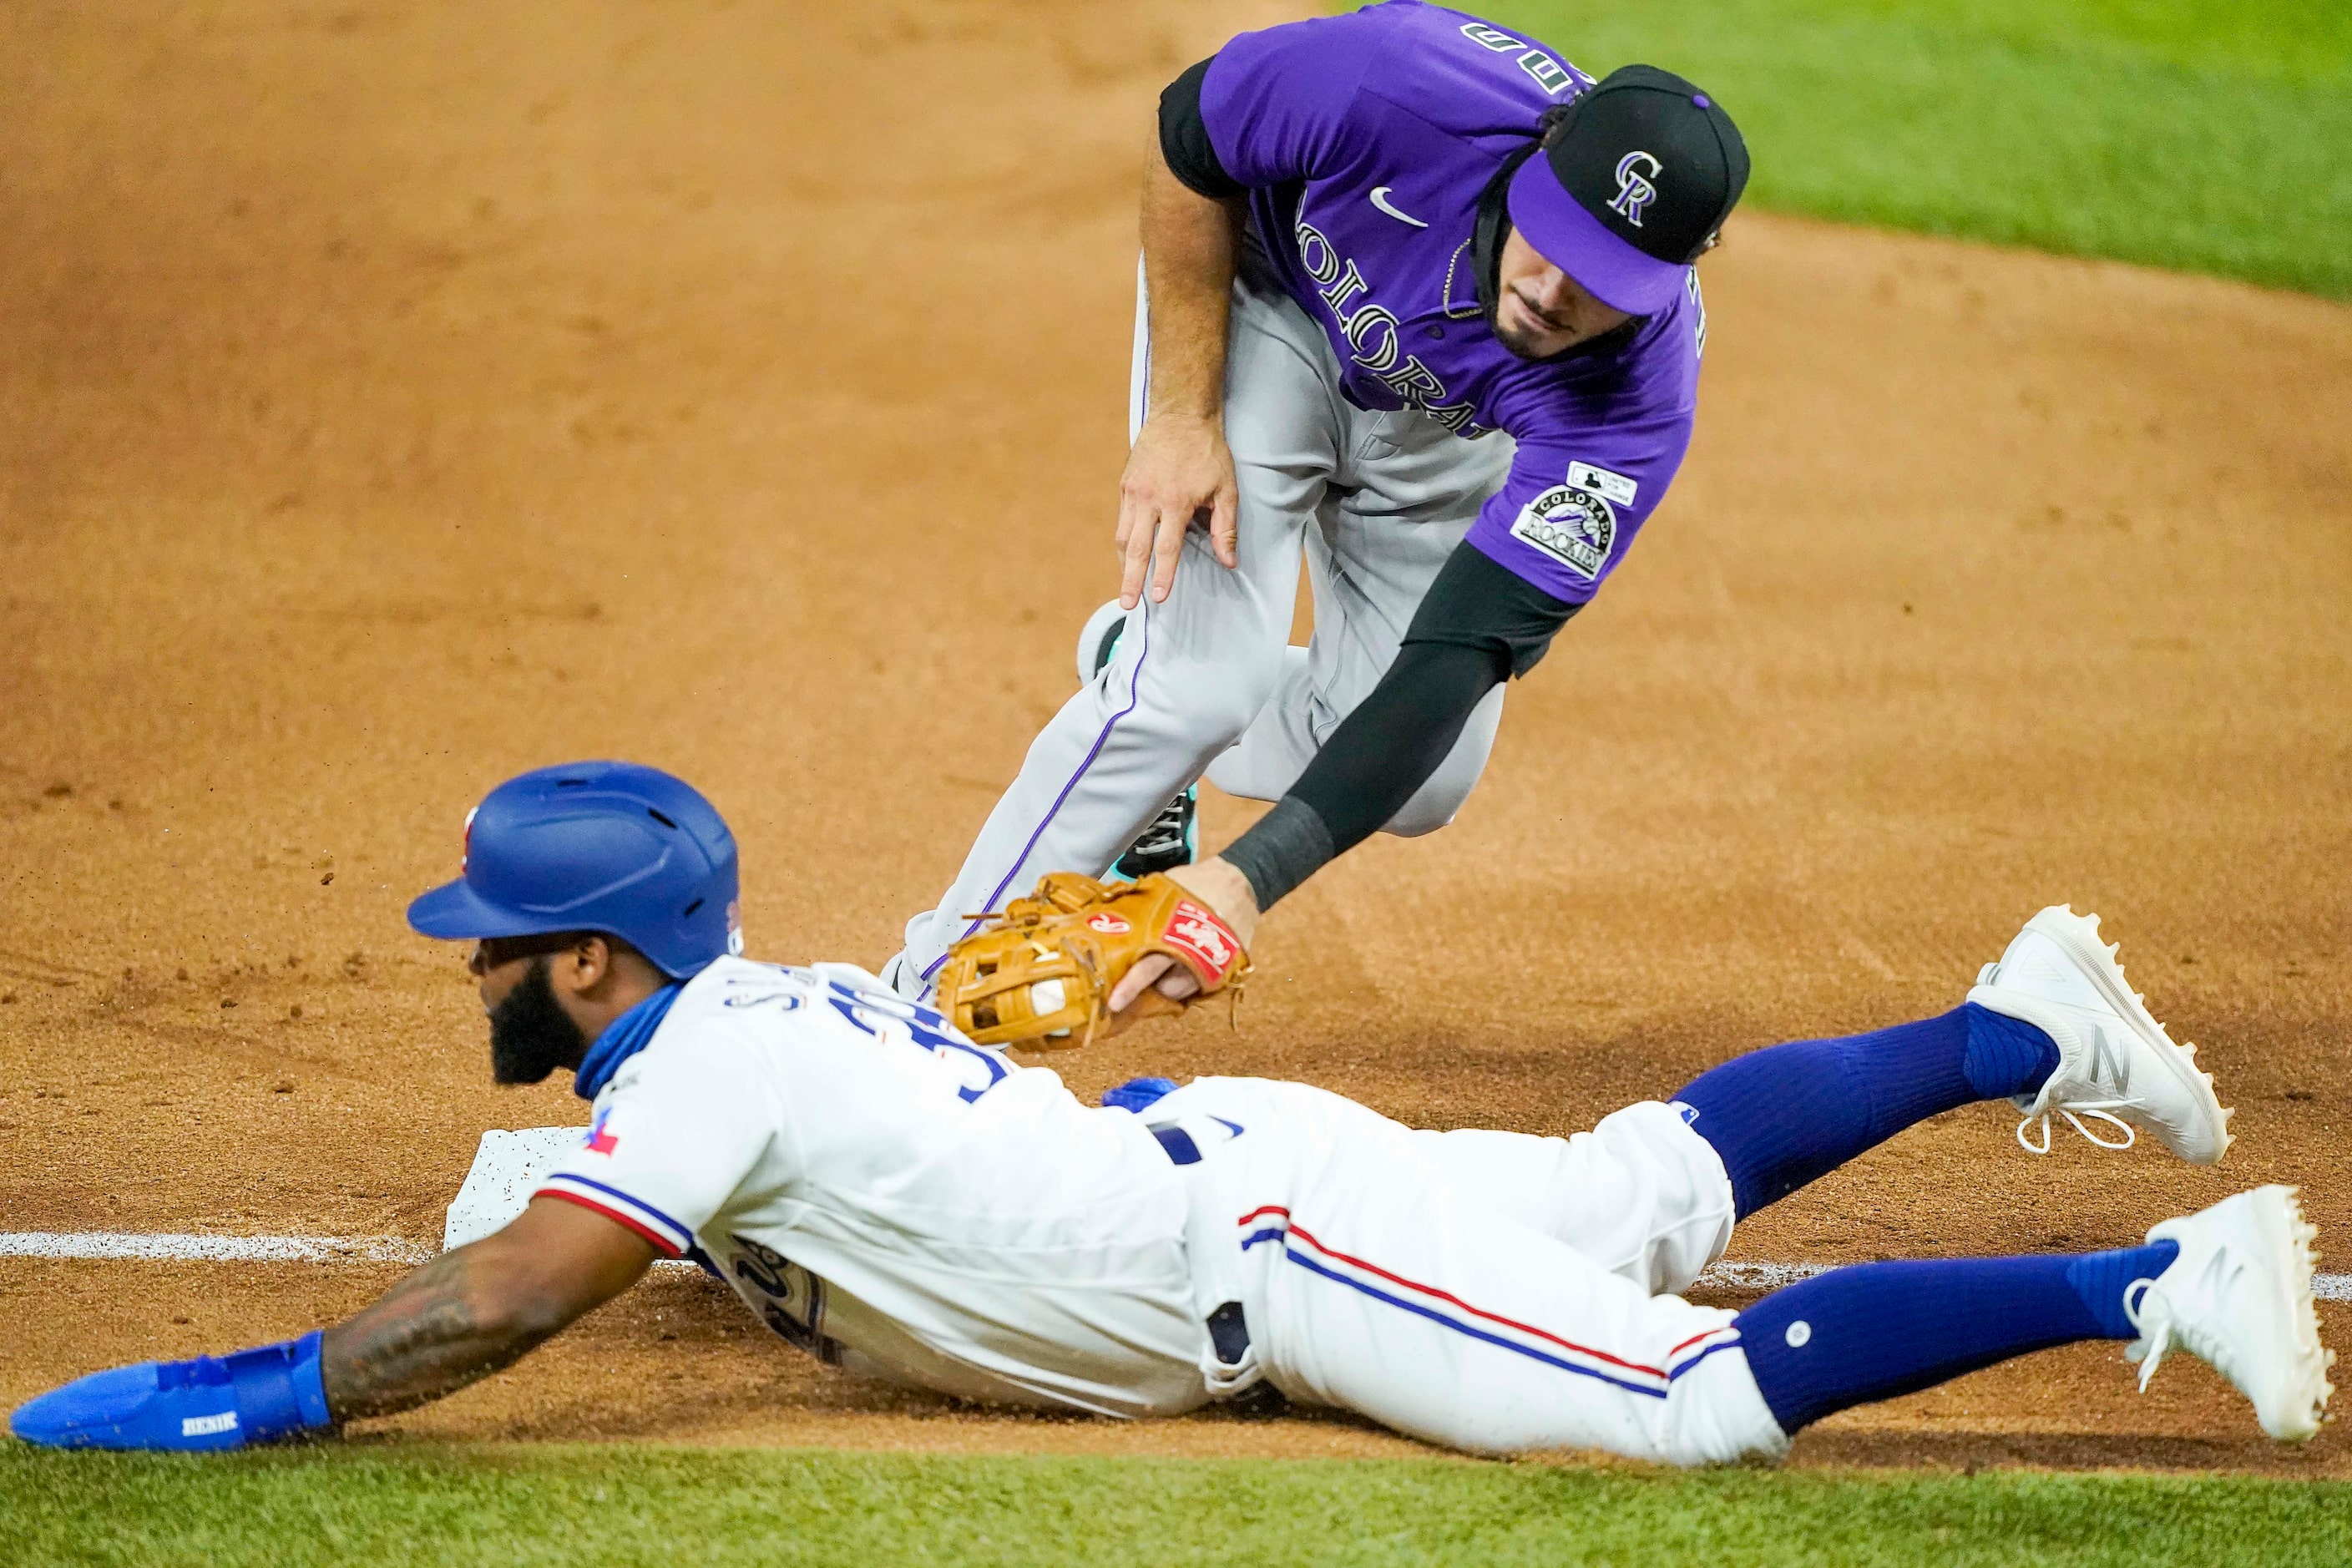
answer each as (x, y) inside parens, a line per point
(1179, 470)
(478, 1310)
(482, 1307)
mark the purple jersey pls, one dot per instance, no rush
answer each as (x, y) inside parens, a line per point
(1366, 139)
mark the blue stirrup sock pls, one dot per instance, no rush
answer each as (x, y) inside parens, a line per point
(1782, 1116)
(1879, 1330)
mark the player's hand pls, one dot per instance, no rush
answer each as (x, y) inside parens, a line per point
(1179, 472)
(1225, 889)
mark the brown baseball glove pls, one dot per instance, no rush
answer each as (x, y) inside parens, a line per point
(1041, 976)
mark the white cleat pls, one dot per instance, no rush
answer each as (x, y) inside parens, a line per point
(2238, 1299)
(2115, 1063)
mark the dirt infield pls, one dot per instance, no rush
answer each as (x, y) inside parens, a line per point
(399, 397)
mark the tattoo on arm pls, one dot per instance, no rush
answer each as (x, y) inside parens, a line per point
(426, 1337)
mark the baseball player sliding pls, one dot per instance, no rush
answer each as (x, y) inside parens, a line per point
(1418, 305)
(887, 1196)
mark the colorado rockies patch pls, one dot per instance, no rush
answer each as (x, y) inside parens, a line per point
(1574, 527)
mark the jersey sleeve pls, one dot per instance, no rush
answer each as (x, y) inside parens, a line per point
(1184, 145)
(1572, 505)
(672, 1140)
(1276, 103)
(1598, 445)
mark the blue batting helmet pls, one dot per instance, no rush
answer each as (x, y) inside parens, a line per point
(604, 846)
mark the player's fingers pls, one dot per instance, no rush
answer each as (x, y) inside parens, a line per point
(1225, 526)
(1179, 984)
(1136, 547)
(1166, 549)
(1135, 980)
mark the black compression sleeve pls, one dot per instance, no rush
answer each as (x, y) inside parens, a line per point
(1371, 766)
(1477, 602)
(1478, 624)
(1184, 138)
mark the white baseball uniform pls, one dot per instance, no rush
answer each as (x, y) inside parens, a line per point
(892, 1197)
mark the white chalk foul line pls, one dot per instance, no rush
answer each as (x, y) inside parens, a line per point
(106, 1243)
(1728, 1276)
(213, 1248)
(169, 1248)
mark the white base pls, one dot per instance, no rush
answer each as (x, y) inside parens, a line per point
(506, 1170)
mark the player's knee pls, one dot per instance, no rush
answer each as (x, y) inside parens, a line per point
(1219, 698)
(1443, 794)
(1431, 808)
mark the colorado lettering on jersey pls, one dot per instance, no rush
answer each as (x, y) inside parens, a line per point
(1372, 331)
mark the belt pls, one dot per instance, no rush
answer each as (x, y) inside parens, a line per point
(1228, 1332)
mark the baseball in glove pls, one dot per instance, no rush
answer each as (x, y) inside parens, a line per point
(1041, 976)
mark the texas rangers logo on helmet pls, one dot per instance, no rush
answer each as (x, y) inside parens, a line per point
(1634, 190)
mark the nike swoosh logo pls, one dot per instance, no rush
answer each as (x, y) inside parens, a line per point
(1381, 200)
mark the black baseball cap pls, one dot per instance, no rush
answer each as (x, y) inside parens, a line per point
(1635, 180)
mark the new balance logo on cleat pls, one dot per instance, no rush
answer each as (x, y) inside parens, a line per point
(2109, 1064)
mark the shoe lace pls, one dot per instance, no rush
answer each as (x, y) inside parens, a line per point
(1165, 833)
(2097, 1110)
(2149, 1349)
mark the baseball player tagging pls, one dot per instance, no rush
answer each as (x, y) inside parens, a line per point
(1418, 309)
(887, 1196)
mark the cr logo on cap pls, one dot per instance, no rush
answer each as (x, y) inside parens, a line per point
(1635, 191)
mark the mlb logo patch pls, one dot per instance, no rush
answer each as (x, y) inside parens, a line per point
(1574, 527)
(1608, 486)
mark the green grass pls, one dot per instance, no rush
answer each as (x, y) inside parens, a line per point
(349, 1508)
(2195, 135)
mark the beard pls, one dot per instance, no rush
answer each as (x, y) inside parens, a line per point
(1521, 345)
(530, 1035)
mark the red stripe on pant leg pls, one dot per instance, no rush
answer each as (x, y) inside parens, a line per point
(1694, 1339)
(1302, 1234)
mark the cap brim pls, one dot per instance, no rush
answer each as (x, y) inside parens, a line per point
(453, 911)
(1581, 246)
